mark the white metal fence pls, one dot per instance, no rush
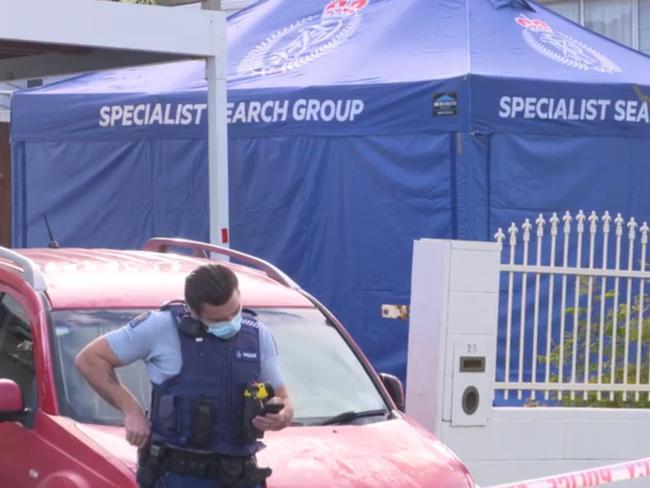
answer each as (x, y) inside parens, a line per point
(574, 324)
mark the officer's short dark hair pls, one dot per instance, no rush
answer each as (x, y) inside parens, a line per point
(213, 284)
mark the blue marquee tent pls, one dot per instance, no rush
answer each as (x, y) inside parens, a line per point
(356, 126)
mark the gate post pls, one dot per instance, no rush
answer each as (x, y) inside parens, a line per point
(452, 333)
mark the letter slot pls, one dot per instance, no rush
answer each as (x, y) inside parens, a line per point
(472, 364)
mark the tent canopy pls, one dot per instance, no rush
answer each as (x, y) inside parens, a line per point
(356, 126)
(371, 67)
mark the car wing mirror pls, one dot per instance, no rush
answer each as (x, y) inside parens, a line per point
(12, 404)
(395, 390)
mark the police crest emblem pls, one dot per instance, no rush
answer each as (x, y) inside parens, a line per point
(307, 39)
(562, 48)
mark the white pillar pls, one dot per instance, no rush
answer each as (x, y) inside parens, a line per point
(452, 334)
(425, 375)
(216, 70)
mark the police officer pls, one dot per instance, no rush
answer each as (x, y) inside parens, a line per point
(200, 355)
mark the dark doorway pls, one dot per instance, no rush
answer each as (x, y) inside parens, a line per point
(5, 186)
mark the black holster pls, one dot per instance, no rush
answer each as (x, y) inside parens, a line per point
(237, 472)
(252, 408)
(151, 464)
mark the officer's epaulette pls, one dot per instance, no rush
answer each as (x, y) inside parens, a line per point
(139, 319)
(185, 323)
(248, 311)
(249, 318)
(178, 309)
(173, 304)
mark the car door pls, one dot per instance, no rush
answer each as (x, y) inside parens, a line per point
(40, 452)
(17, 364)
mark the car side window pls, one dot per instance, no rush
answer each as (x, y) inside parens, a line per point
(16, 358)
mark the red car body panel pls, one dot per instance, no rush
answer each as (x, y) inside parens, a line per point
(396, 453)
(65, 454)
(80, 278)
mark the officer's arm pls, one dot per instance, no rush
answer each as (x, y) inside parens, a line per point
(97, 363)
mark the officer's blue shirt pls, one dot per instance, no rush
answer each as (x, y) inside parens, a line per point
(155, 340)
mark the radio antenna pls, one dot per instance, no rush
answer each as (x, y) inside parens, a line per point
(52, 244)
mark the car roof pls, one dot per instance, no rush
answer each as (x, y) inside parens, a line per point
(106, 278)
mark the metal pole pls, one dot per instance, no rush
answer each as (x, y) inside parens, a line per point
(216, 70)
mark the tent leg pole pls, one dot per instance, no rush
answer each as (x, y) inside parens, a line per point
(218, 138)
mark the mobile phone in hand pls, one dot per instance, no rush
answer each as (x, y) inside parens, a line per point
(272, 408)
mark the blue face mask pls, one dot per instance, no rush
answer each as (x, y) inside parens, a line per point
(225, 329)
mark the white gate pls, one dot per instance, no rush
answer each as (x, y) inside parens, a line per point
(549, 316)
(589, 285)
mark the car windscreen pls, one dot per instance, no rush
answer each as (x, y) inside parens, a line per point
(324, 376)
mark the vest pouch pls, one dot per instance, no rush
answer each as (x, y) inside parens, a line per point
(166, 415)
(202, 427)
(252, 408)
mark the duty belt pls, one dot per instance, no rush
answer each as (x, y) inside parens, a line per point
(202, 464)
(230, 471)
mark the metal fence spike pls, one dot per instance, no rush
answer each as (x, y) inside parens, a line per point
(632, 225)
(607, 219)
(526, 226)
(540, 221)
(512, 230)
(619, 224)
(567, 222)
(554, 220)
(580, 219)
(593, 222)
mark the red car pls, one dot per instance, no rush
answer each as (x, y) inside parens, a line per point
(55, 432)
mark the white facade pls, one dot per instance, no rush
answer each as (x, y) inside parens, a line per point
(625, 21)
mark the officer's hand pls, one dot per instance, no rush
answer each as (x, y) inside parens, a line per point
(137, 427)
(272, 421)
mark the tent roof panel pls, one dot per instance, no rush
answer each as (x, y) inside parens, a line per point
(373, 41)
(371, 67)
(358, 42)
(541, 45)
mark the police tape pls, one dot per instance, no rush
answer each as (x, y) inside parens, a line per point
(605, 475)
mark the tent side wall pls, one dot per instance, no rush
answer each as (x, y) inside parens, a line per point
(340, 214)
(109, 193)
(471, 167)
(555, 174)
